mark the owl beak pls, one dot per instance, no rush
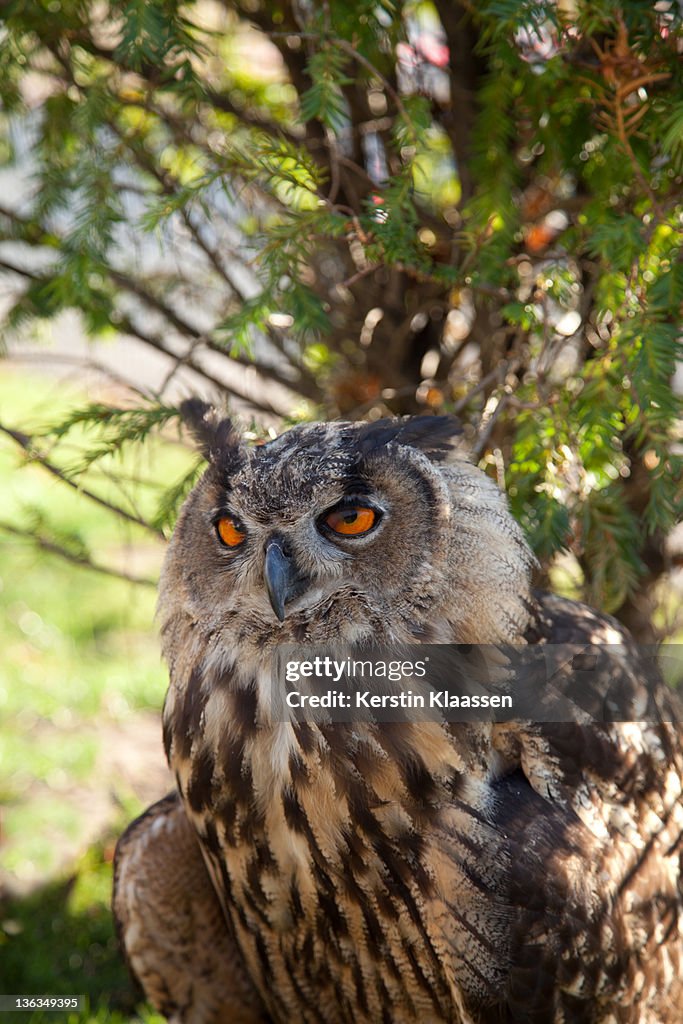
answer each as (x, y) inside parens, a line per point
(282, 578)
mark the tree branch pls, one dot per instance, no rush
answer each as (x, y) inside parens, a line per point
(27, 443)
(45, 544)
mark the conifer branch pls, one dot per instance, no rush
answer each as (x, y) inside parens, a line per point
(81, 560)
(28, 444)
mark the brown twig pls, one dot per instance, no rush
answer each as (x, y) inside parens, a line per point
(483, 438)
(45, 544)
(622, 135)
(498, 372)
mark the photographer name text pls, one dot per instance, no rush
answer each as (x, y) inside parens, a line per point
(406, 699)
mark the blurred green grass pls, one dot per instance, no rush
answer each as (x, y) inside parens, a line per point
(80, 668)
(59, 940)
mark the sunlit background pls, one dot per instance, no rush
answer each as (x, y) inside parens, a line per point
(426, 212)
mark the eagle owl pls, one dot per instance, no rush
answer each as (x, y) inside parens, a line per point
(391, 873)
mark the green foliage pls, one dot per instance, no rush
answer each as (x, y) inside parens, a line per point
(156, 32)
(112, 429)
(393, 219)
(325, 99)
(172, 497)
(308, 191)
(610, 546)
(672, 139)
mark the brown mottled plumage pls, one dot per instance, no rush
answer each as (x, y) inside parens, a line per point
(395, 872)
(172, 927)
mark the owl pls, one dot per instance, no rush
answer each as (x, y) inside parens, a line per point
(373, 872)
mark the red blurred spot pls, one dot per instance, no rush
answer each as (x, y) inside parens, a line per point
(434, 51)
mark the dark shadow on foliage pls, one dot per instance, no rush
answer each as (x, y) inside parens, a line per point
(47, 947)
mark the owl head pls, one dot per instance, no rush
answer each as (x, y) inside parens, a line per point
(341, 532)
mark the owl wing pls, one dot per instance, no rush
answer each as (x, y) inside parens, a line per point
(580, 844)
(590, 763)
(171, 927)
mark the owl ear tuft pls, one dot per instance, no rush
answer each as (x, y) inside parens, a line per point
(215, 434)
(433, 435)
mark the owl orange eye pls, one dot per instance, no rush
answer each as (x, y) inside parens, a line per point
(229, 532)
(352, 520)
